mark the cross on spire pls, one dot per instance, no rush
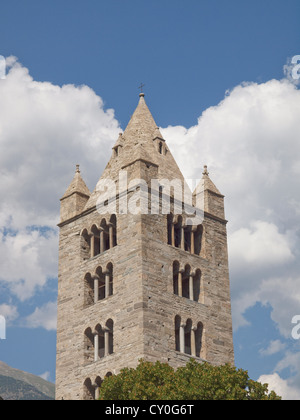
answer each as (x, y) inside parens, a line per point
(141, 87)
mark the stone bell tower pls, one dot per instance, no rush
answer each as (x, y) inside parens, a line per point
(138, 279)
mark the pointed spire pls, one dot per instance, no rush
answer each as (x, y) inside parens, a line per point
(75, 198)
(208, 197)
(77, 186)
(140, 143)
(206, 183)
(141, 126)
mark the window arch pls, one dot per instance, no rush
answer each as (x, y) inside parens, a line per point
(89, 390)
(99, 238)
(188, 238)
(98, 286)
(184, 235)
(186, 278)
(176, 268)
(189, 337)
(177, 332)
(113, 231)
(104, 236)
(109, 290)
(88, 289)
(109, 345)
(178, 232)
(99, 342)
(85, 244)
(186, 283)
(198, 234)
(199, 340)
(88, 345)
(95, 241)
(171, 232)
(197, 285)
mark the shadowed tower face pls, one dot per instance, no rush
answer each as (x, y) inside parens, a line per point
(140, 276)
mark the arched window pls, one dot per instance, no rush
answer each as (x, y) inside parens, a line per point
(104, 236)
(113, 231)
(197, 285)
(109, 337)
(89, 390)
(178, 232)
(88, 346)
(177, 332)
(198, 234)
(187, 238)
(187, 337)
(88, 290)
(99, 285)
(199, 340)
(99, 343)
(171, 238)
(186, 282)
(97, 386)
(175, 277)
(85, 244)
(109, 276)
(95, 241)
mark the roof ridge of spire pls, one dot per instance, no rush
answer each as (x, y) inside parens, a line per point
(141, 125)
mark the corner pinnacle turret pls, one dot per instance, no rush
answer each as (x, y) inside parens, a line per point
(75, 197)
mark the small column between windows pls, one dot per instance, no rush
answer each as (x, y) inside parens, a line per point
(182, 338)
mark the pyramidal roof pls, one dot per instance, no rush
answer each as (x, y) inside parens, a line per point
(141, 126)
(206, 184)
(139, 142)
(77, 186)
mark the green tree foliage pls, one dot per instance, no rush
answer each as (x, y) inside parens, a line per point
(195, 381)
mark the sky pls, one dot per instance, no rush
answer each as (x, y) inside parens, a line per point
(221, 83)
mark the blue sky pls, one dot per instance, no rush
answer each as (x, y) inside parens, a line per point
(184, 51)
(194, 57)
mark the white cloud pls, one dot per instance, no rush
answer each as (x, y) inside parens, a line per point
(288, 388)
(283, 294)
(27, 259)
(44, 317)
(275, 346)
(45, 376)
(251, 144)
(280, 386)
(10, 312)
(261, 244)
(44, 131)
(250, 141)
